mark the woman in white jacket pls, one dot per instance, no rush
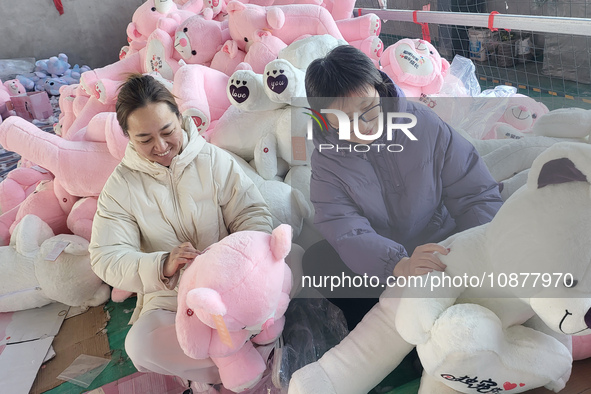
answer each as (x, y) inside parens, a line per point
(172, 195)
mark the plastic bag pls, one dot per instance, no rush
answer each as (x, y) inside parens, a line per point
(84, 370)
(312, 327)
(10, 68)
(461, 80)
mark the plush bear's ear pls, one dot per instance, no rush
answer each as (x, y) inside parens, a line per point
(281, 241)
(559, 171)
(234, 6)
(207, 13)
(207, 300)
(78, 246)
(275, 17)
(29, 234)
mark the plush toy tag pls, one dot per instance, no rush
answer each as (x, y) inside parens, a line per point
(56, 251)
(222, 330)
(40, 169)
(298, 148)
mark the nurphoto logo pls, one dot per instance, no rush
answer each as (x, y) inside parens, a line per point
(345, 124)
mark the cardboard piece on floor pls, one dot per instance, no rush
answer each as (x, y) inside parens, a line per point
(25, 341)
(32, 324)
(82, 334)
(19, 364)
(142, 383)
(75, 311)
(50, 354)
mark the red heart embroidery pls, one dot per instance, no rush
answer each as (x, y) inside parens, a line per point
(521, 384)
(509, 385)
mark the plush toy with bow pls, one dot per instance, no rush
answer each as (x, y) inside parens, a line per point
(32, 278)
(415, 66)
(233, 296)
(486, 333)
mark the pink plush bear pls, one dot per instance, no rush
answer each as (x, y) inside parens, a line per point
(201, 94)
(5, 104)
(232, 296)
(146, 17)
(521, 113)
(67, 115)
(18, 184)
(198, 39)
(208, 42)
(339, 9)
(43, 203)
(287, 23)
(292, 22)
(81, 169)
(15, 88)
(415, 66)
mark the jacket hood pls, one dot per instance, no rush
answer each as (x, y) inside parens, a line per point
(192, 145)
(394, 102)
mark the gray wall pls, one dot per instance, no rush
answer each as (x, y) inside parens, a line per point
(90, 31)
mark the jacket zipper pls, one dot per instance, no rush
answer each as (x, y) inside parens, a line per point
(177, 208)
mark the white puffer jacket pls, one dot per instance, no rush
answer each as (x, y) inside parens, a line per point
(146, 209)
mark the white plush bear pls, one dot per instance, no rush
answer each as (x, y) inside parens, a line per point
(30, 279)
(287, 203)
(265, 115)
(283, 78)
(487, 334)
(510, 159)
(268, 137)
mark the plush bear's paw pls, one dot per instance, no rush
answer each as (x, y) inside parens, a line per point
(311, 379)
(556, 386)
(469, 345)
(245, 90)
(283, 81)
(200, 120)
(243, 87)
(371, 46)
(375, 25)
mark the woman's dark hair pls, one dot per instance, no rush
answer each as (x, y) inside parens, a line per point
(343, 71)
(137, 92)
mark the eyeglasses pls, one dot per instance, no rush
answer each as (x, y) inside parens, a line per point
(371, 114)
(367, 116)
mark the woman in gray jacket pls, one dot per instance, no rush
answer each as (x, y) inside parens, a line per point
(385, 194)
(172, 195)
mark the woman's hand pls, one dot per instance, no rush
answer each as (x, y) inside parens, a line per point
(421, 262)
(180, 255)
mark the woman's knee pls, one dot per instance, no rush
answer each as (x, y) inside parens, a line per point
(135, 346)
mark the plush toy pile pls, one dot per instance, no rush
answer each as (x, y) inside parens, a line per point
(237, 70)
(512, 336)
(51, 74)
(195, 49)
(33, 274)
